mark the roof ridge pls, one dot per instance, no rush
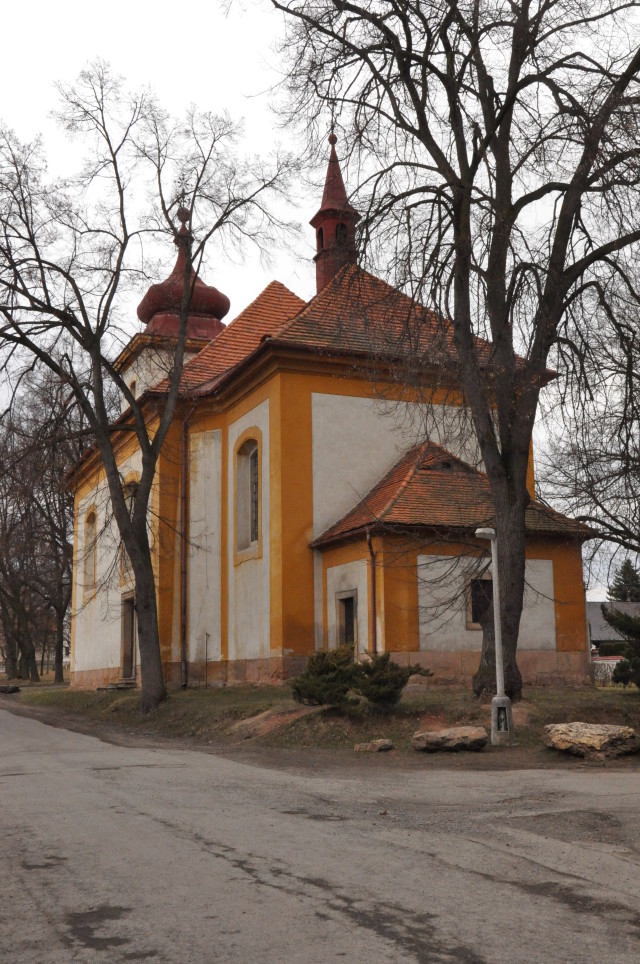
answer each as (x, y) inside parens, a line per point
(418, 449)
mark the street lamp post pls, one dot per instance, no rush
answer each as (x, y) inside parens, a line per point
(501, 711)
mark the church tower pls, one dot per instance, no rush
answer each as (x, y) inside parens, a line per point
(149, 355)
(335, 224)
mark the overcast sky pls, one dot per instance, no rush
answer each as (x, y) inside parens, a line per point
(190, 53)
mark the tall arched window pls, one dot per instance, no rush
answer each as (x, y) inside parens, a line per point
(90, 539)
(248, 495)
(320, 239)
(342, 235)
(129, 489)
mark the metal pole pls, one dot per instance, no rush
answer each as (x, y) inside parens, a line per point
(497, 617)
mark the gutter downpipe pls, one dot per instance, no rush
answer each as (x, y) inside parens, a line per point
(184, 479)
(374, 618)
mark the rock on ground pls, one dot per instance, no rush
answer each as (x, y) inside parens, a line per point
(454, 738)
(592, 739)
(374, 746)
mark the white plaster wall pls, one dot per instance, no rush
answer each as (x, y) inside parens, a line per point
(205, 522)
(97, 617)
(249, 582)
(345, 578)
(149, 368)
(356, 440)
(443, 614)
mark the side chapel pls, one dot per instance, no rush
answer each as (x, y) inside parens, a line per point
(297, 502)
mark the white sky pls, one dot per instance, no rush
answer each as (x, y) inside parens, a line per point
(189, 53)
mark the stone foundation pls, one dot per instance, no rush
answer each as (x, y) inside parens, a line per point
(275, 670)
(91, 679)
(538, 668)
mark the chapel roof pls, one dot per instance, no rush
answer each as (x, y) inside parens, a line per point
(264, 316)
(431, 488)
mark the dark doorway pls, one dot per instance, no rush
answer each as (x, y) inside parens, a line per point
(128, 654)
(347, 620)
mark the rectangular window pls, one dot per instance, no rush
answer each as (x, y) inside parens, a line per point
(480, 598)
(347, 618)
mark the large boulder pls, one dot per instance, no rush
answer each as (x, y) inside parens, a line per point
(599, 740)
(452, 739)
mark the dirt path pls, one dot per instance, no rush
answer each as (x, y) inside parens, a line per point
(312, 759)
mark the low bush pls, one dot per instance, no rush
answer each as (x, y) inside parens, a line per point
(382, 681)
(328, 678)
(330, 675)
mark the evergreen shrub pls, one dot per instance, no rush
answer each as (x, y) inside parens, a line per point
(382, 681)
(328, 678)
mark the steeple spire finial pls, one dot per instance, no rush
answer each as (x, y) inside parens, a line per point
(334, 223)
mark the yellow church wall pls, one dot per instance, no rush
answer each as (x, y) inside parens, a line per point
(398, 611)
(289, 391)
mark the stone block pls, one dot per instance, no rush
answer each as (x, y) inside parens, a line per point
(452, 739)
(599, 740)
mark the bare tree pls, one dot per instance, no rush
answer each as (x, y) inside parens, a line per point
(71, 249)
(592, 464)
(496, 145)
(42, 436)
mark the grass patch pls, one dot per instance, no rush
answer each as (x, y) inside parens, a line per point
(203, 714)
(207, 715)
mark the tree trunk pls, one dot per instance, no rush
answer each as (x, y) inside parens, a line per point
(28, 661)
(59, 650)
(45, 642)
(11, 658)
(484, 680)
(510, 531)
(153, 688)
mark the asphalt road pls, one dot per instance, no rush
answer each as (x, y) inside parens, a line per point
(111, 853)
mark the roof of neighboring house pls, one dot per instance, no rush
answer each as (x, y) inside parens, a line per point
(601, 631)
(429, 487)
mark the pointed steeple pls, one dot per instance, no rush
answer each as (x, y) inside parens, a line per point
(334, 223)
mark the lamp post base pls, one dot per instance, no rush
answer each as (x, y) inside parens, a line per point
(502, 733)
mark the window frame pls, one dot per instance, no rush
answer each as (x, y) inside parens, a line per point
(486, 576)
(254, 548)
(89, 589)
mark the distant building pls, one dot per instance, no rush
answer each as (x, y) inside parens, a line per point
(599, 629)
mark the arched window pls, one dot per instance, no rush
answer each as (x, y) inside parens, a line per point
(134, 387)
(248, 495)
(129, 490)
(342, 235)
(320, 239)
(90, 539)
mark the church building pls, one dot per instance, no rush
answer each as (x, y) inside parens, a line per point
(309, 494)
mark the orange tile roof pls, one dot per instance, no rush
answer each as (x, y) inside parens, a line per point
(264, 316)
(355, 315)
(429, 487)
(357, 312)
